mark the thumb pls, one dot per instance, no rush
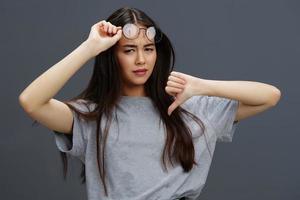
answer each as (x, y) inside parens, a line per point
(118, 35)
(172, 107)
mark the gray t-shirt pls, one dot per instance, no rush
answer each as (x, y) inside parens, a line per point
(134, 169)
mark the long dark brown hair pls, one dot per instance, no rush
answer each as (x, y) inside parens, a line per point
(104, 89)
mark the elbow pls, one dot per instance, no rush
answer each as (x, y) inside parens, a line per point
(23, 102)
(275, 97)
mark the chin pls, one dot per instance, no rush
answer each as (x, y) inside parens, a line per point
(135, 80)
(139, 82)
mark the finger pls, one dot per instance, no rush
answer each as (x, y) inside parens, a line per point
(170, 111)
(110, 27)
(114, 30)
(102, 27)
(174, 84)
(172, 107)
(101, 23)
(106, 27)
(171, 94)
(176, 79)
(118, 35)
(176, 90)
(177, 74)
(172, 90)
(98, 26)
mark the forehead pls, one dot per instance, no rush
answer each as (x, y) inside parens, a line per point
(140, 40)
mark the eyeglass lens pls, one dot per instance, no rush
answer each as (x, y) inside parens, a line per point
(131, 31)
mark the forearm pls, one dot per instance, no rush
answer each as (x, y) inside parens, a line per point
(47, 85)
(248, 92)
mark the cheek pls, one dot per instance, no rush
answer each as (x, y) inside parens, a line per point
(153, 58)
(125, 62)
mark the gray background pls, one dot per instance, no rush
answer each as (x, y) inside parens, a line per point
(255, 40)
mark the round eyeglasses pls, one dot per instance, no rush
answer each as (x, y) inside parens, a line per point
(131, 31)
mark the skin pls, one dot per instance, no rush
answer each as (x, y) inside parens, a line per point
(253, 97)
(37, 98)
(133, 54)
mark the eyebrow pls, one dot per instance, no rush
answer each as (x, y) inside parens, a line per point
(134, 46)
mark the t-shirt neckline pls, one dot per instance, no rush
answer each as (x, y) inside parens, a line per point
(136, 97)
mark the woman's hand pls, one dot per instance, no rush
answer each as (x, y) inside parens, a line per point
(182, 87)
(102, 36)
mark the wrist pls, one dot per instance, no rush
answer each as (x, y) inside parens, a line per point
(210, 87)
(89, 48)
(203, 87)
(86, 48)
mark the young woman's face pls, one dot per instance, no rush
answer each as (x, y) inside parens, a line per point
(134, 54)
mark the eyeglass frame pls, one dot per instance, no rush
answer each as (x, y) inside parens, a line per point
(139, 28)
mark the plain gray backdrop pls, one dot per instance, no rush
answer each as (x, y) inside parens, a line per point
(255, 40)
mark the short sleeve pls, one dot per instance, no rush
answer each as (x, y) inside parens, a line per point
(220, 112)
(73, 144)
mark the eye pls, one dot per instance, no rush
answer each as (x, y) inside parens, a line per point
(149, 49)
(129, 50)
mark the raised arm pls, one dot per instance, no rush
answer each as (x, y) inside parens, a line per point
(48, 84)
(37, 98)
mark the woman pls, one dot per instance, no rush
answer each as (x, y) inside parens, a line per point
(137, 115)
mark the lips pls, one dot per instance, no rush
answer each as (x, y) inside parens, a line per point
(140, 70)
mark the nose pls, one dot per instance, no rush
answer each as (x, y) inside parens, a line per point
(140, 58)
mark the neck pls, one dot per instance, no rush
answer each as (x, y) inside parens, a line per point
(136, 91)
